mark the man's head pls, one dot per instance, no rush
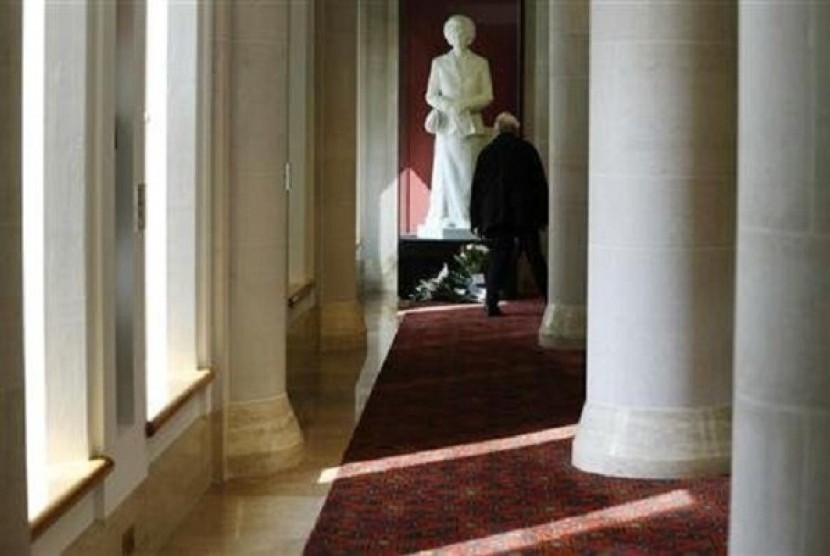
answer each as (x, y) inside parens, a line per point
(459, 30)
(506, 123)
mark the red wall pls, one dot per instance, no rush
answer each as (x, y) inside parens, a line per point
(498, 38)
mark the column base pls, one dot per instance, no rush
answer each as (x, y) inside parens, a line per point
(641, 443)
(263, 437)
(563, 327)
(342, 326)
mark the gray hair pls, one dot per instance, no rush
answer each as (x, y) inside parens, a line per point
(465, 22)
(506, 123)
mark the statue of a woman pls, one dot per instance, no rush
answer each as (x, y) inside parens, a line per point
(459, 88)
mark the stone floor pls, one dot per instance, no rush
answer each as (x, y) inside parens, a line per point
(275, 515)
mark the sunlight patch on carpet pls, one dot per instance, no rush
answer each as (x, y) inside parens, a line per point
(614, 516)
(360, 468)
(438, 309)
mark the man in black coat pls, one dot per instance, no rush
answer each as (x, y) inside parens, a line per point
(509, 204)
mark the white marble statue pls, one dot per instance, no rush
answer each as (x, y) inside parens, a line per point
(459, 88)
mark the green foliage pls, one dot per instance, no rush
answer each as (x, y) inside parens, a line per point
(456, 282)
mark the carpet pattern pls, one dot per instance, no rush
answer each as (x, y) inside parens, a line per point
(464, 448)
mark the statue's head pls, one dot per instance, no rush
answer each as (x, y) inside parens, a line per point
(459, 30)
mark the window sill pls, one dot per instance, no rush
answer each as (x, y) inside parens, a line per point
(298, 292)
(68, 483)
(193, 386)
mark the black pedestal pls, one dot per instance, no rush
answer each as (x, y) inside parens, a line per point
(420, 259)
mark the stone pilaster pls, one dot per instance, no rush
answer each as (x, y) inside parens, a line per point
(780, 480)
(661, 239)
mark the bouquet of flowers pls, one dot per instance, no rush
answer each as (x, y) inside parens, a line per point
(461, 281)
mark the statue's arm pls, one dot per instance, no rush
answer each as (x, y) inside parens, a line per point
(434, 97)
(483, 95)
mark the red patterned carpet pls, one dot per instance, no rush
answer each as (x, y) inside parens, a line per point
(464, 448)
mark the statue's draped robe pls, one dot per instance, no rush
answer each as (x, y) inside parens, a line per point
(459, 88)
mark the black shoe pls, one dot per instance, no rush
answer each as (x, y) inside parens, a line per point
(493, 311)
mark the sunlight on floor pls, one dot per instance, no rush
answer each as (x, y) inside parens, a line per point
(614, 516)
(439, 309)
(357, 469)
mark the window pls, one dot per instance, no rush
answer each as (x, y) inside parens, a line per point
(54, 244)
(101, 298)
(172, 172)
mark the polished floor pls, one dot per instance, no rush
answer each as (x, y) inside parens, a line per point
(275, 515)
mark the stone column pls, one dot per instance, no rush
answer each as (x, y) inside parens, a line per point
(14, 526)
(781, 482)
(342, 325)
(563, 325)
(263, 435)
(661, 239)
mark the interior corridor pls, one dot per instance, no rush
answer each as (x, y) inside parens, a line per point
(464, 447)
(194, 195)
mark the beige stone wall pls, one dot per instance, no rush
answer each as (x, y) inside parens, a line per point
(14, 534)
(220, 325)
(177, 480)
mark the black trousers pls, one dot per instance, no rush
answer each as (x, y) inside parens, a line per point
(502, 244)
